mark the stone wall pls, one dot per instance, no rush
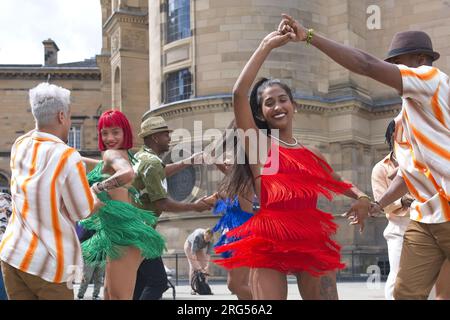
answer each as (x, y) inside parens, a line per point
(16, 118)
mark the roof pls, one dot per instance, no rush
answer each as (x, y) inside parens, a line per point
(87, 63)
(82, 70)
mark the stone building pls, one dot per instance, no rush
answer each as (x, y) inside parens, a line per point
(180, 59)
(82, 78)
(198, 48)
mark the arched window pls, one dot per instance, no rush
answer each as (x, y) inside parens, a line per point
(117, 99)
(178, 19)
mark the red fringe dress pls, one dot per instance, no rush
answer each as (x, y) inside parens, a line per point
(289, 233)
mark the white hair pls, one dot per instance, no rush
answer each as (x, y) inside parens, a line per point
(46, 101)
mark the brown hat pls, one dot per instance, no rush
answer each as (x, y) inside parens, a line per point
(153, 125)
(411, 42)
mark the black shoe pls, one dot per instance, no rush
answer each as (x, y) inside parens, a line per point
(96, 298)
(80, 297)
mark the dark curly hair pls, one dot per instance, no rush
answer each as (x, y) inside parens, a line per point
(389, 131)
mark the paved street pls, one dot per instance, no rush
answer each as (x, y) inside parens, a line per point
(347, 291)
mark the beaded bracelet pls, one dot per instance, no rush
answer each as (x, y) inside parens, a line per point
(309, 36)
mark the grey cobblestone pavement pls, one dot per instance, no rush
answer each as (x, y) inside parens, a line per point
(346, 290)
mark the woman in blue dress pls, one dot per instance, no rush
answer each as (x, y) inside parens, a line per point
(234, 202)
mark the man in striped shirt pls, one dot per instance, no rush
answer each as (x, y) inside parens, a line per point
(422, 147)
(40, 250)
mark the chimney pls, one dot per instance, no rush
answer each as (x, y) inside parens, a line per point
(50, 52)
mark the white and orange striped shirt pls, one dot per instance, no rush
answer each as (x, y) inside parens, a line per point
(423, 142)
(50, 192)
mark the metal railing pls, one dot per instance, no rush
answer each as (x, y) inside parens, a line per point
(359, 265)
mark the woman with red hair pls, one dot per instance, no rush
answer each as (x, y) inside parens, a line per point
(123, 233)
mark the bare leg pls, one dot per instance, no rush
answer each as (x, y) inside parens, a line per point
(192, 260)
(269, 284)
(105, 285)
(443, 282)
(328, 287)
(309, 286)
(238, 283)
(121, 274)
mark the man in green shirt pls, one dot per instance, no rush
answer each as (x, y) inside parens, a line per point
(150, 181)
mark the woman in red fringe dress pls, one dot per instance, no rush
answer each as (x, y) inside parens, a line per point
(288, 234)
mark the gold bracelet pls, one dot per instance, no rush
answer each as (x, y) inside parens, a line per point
(309, 36)
(365, 197)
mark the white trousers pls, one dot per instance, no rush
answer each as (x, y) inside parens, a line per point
(393, 234)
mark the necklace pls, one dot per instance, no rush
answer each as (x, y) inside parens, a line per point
(286, 143)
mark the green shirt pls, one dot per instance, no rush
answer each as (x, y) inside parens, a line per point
(150, 179)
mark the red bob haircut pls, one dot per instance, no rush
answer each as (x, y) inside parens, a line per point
(115, 118)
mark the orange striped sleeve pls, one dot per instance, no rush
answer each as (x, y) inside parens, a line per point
(424, 76)
(87, 190)
(413, 190)
(29, 254)
(13, 158)
(26, 208)
(419, 213)
(437, 109)
(445, 207)
(5, 240)
(430, 144)
(54, 215)
(424, 169)
(44, 140)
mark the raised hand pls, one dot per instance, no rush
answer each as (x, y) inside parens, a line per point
(407, 200)
(358, 212)
(290, 25)
(211, 200)
(277, 39)
(202, 204)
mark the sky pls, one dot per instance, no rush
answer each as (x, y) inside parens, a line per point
(75, 26)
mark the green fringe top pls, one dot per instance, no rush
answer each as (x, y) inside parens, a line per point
(118, 225)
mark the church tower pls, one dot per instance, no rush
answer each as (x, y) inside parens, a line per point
(124, 58)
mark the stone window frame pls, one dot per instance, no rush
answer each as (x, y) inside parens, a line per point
(77, 123)
(172, 36)
(184, 95)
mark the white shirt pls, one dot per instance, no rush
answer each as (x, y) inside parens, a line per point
(50, 192)
(423, 142)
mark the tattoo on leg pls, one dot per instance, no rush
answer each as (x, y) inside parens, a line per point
(328, 288)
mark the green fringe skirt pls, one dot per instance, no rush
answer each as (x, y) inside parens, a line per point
(119, 225)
